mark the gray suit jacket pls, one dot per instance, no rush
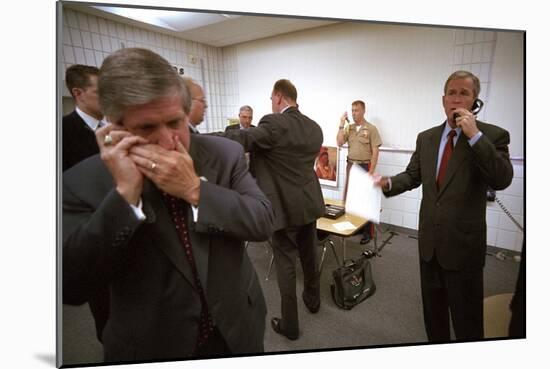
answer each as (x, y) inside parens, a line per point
(285, 147)
(452, 219)
(155, 306)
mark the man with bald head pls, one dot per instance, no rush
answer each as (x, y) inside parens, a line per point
(198, 104)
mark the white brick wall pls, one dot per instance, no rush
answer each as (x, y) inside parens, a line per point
(88, 39)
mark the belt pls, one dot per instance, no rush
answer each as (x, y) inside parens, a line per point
(358, 161)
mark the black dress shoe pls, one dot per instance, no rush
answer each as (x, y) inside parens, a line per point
(276, 325)
(312, 309)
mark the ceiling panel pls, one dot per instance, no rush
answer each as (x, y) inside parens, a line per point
(207, 28)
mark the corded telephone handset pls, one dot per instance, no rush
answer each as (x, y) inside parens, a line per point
(476, 107)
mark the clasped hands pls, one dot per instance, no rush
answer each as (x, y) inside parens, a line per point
(131, 158)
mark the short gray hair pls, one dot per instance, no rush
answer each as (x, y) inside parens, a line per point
(135, 76)
(247, 108)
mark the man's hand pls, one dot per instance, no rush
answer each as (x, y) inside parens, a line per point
(381, 181)
(171, 170)
(467, 122)
(114, 145)
(343, 119)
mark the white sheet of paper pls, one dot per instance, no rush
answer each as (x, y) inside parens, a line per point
(364, 199)
(343, 226)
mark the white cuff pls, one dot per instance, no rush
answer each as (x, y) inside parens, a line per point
(138, 210)
(195, 210)
(472, 141)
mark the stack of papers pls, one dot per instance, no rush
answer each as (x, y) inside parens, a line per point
(343, 226)
(364, 199)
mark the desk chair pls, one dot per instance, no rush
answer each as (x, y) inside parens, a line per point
(324, 240)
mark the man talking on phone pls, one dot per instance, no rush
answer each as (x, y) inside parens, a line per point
(455, 162)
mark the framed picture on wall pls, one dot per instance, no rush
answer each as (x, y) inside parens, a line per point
(326, 166)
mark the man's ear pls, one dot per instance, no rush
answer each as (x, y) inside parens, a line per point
(76, 92)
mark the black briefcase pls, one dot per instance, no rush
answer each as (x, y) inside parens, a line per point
(353, 282)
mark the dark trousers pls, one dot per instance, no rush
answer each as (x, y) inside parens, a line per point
(99, 306)
(517, 305)
(368, 229)
(285, 244)
(215, 346)
(461, 292)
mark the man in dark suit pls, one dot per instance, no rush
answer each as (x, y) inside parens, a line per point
(455, 162)
(245, 119)
(285, 145)
(79, 143)
(198, 104)
(159, 219)
(78, 127)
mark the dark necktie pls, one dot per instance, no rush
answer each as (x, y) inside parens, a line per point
(177, 211)
(445, 158)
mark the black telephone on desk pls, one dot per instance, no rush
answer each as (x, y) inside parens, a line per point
(333, 211)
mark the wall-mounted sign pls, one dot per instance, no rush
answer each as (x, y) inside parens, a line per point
(179, 69)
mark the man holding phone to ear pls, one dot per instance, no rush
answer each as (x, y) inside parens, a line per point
(158, 219)
(455, 162)
(363, 141)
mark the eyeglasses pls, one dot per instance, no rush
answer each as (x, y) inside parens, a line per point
(202, 100)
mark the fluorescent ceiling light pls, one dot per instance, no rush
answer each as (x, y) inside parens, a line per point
(150, 16)
(170, 19)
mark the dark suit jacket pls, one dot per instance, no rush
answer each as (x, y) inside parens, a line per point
(452, 220)
(236, 126)
(285, 147)
(155, 306)
(249, 154)
(78, 142)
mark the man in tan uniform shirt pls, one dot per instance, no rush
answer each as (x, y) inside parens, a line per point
(363, 140)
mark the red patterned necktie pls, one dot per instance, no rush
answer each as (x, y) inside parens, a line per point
(177, 211)
(445, 158)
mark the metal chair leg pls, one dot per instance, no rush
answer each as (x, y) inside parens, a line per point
(323, 257)
(269, 248)
(331, 243)
(269, 268)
